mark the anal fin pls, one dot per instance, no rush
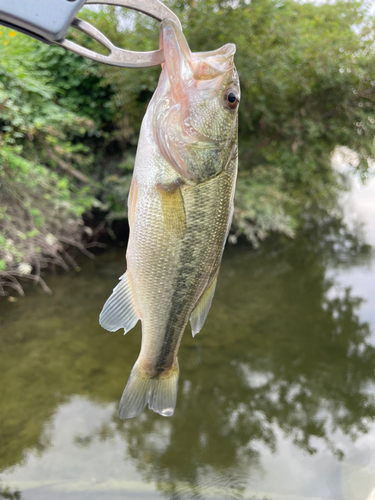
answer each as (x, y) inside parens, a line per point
(200, 312)
(118, 311)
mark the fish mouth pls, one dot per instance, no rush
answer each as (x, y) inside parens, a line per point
(190, 83)
(227, 50)
(198, 65)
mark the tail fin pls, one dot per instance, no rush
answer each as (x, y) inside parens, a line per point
(160, 393)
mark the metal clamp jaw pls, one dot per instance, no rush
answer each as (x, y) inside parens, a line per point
(51, 29)
(117, 56)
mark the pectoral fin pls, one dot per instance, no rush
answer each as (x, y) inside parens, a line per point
(173, 208)
(199, 314)
(118, 311)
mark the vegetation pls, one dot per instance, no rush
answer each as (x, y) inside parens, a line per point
(39, 206)
(7, 494)
(308, 86)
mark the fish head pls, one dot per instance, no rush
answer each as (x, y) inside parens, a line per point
(196, 106)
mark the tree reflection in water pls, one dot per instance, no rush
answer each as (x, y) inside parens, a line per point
(279, 351)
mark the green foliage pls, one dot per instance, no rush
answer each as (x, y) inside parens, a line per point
(7, 494)
(77, 82)
(307, 76)
(260, 204)
(38, 208)
(308, 85)
(132, 89)
(38, 205)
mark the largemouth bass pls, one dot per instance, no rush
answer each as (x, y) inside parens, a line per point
(180, 209)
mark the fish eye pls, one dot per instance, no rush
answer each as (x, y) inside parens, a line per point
(231, 98)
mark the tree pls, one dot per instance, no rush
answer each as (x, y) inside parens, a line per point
(308, 86)
(39, 204)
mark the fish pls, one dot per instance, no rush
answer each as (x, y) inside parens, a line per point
(180, 208)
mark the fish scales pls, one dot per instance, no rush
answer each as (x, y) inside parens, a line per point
(207, 207)
(180, 209)
(170, 273)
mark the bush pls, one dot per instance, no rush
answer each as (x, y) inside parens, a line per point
(38, 204)
(308, 86)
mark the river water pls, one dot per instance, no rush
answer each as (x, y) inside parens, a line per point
(276, 393)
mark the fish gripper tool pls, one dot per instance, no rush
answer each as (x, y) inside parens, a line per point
(49, 20)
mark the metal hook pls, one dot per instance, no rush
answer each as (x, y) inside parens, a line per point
(121, 57)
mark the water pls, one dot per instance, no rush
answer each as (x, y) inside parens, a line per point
(276, 394)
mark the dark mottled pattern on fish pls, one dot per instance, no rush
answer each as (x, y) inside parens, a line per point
(207, 211)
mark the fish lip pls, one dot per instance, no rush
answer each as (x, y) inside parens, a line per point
(168, 24)
(227, 50)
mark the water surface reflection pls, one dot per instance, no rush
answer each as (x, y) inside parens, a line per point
(276, 395)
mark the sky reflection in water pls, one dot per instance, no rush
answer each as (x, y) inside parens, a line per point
(276, 394)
